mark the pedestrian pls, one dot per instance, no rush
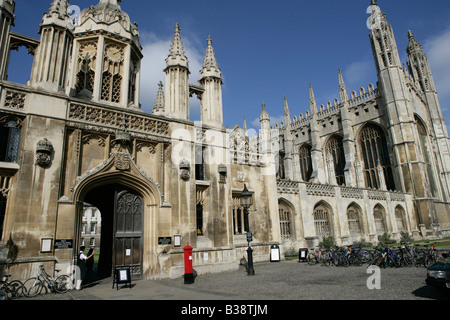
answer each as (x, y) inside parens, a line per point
(90, 261)
(81, 264)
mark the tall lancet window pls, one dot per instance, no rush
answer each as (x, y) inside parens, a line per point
(375, 154)
(112, 73)
(86, 67)
(335, 148)
(305, 162)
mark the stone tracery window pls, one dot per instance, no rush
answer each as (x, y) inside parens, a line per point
(335, 148)
(378, 216)
(305, 162)
(400, 218)
(285, 214)
(239, 218)
(354, 225)
(322, 220)
(86, 67)
(375, 152)
(112, 73)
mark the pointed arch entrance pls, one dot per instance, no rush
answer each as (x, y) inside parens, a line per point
(122, 214)
(129, 202)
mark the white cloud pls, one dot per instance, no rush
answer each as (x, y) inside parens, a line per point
(438, 49)
(359, 74)
(155, 51)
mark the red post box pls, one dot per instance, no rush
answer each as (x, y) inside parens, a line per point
(188, 269)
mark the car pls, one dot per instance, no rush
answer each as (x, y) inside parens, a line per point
(438, 275)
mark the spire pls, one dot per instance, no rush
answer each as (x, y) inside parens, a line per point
(159, 107)
(264, 115)
(210, 66)
(413, 45)
(287, 113)
(245, 126)
(177, 55)
(210, 57)
(342, 88)
(312, 100)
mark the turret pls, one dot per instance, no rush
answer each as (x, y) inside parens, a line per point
(51, 63)
(318, 174)
(7, 17)
(211, 81)
(397, 104)
(288, 143)
(159, 108)
(177, 79)
(107, 56)
(349, 139)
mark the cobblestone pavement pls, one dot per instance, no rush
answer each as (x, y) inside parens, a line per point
(288, 280)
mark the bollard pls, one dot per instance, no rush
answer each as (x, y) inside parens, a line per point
(188, 269)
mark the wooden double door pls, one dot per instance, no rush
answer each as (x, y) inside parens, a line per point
(128, 231)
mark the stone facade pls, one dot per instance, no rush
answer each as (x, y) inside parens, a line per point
(76, 134)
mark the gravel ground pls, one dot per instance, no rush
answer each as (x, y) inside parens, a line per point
(281, 281)
(300, 281)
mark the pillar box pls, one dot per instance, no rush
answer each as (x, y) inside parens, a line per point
(188, 269)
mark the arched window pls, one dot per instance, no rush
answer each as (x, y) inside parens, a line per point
(322, 220)
(426, 153)
(400, 218)
(335, 148)
(354, 225)
(285, 213)
(378, 216)
(305, 162)
(9, 139)
(374, 151)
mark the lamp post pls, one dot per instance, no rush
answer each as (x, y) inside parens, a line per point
(246, 202)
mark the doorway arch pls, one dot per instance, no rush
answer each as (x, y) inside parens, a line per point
(104, 189)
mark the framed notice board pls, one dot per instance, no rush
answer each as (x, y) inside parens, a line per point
(122, 275)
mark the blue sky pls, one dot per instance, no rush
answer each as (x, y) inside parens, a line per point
(270, 49)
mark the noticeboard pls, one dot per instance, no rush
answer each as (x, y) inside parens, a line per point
(64, 244)
(122, 275)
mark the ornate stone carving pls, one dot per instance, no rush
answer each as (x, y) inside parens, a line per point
(185, 170)
(122, 161)
(115, 119)
(44, 151)
(15, 100)
(222, 169)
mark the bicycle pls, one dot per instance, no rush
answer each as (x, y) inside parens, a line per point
(363, 254)
(10, 290)
(317, 255)
(33, 286)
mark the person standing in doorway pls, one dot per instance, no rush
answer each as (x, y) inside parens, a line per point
(81, 264)
(90, 261)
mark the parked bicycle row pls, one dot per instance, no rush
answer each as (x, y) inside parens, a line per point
(34, 286)
(405, 255)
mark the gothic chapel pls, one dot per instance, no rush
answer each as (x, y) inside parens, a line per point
(371, 162)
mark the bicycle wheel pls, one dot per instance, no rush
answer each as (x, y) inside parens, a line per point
(365, 256)
(32, 287)
(15, 290)
(63, 284)
(312, 258)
